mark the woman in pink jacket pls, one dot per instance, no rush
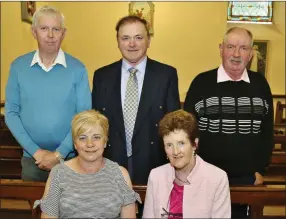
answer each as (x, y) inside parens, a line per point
(187, 187)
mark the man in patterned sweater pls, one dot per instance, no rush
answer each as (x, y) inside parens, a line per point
(234, 110)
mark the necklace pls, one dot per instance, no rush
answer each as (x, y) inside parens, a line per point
(182, 181)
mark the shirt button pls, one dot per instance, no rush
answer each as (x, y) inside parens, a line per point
(103, 109)
(160, 107)
(156, 125)
(152, 142)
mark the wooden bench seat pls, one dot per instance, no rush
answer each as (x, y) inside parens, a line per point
(280, 139)
(275, 180)
(7, 138)
(11, 151)
(278, 157)
(256, 196)
(17, 189)
(279, 114)
(10, 162)
(277, 165)
(10, 165)
(16, 214)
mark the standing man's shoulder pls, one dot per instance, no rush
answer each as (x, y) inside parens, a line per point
(207, 76)
(25, 59)
(108, 69)
(257, 78)
(73, 62)
(158, 64)
(259, 83)
(203, 82)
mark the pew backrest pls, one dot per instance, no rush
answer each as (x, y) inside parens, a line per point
(279, 114)
(10, 162)
(256, 196)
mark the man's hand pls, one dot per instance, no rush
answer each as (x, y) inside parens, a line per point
(258, 179)
(38, 155)
(49, 160)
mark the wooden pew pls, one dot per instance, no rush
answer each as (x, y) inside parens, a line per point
(280, 139)
(19, 190)
(274, 180)
(7, 138)
(10, 165)
(280, 135)
(277, 165)
(278, 157)
(141, 190)
(256, 196)
(10, 162)
(279, 114)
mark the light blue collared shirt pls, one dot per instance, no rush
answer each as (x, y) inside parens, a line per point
(125, 75)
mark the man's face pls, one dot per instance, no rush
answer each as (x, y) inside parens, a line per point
(236, 52)
(133, 42)
(49, 33)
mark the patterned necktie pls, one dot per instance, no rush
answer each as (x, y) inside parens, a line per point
(130, 108)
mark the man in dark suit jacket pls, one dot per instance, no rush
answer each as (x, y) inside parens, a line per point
(156, 93)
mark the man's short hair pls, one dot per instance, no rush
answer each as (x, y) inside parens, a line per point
(233, 29)
(47, 10)
(131, 19)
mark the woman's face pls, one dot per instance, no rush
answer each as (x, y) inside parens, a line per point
(90, 145)
(179, 149)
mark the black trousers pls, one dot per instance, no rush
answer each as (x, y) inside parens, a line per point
(240, 210)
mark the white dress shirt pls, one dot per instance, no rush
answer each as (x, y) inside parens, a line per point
(60, 59)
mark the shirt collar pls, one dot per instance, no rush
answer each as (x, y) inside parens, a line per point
(60, 59)
(222, 76)
(140, 67)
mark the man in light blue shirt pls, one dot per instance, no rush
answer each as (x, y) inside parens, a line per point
(45, 89)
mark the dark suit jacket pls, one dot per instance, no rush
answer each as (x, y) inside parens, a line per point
(159, 96)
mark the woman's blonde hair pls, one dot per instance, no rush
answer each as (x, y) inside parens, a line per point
(84, 121)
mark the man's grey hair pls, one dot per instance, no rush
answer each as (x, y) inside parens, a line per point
(47, 10)
(233, 29)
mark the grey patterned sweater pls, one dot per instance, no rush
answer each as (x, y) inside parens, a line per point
(98, 195)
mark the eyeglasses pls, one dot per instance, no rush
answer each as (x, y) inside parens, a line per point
(170, 214)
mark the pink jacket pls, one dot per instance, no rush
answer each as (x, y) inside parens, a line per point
(207, 196)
